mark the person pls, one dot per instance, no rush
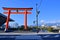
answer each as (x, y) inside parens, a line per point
(38, 30)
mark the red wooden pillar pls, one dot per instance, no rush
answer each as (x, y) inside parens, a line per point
(7, 21)
(25, 20)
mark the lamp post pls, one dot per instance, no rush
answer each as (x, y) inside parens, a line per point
(37, 13)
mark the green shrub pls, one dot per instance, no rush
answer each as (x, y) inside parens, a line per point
(50, 29)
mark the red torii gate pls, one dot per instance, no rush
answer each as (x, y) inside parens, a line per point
(25, 12)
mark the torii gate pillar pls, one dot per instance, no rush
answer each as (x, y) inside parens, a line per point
(25, 12)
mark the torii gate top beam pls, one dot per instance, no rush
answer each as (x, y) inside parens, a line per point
(17, 8)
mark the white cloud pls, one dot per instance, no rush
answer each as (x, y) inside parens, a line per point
(58, 21)
(51, 22)
(42, 21)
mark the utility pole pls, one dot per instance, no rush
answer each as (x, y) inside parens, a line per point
(37, 13)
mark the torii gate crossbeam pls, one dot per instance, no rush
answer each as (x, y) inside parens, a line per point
(25, 12)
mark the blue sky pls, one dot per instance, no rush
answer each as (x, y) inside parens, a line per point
(50, 10)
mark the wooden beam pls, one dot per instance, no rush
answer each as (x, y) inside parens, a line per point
(17, 8)
(17, 12)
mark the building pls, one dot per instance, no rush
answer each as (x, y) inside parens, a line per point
(3, 19)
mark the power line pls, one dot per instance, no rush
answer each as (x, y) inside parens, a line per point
(40, 3)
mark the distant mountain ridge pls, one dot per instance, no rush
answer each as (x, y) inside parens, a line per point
(49, 24)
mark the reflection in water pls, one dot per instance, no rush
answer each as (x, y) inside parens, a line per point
(23, 37)
(31, 37)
